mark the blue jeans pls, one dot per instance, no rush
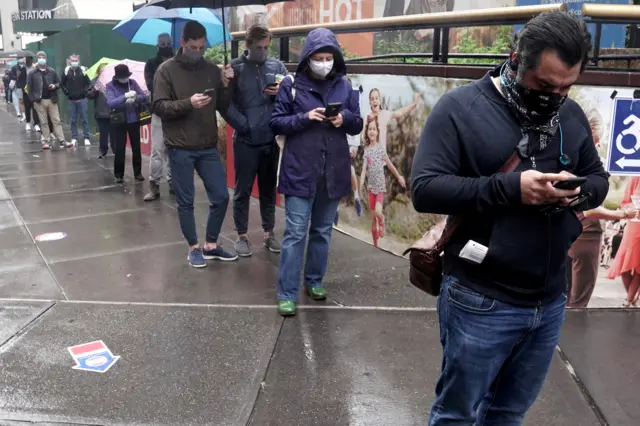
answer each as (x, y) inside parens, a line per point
(495, 357)
(80, 108)
(313, 216)
(209, 167)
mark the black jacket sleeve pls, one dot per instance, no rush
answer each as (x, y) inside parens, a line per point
(63, 83)
(590, 166)
(437, 184)
(149, 74)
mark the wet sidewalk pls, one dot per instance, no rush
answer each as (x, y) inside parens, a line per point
(207, 347)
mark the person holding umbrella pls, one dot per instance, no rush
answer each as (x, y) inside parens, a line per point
(188, 90)
(123, 96)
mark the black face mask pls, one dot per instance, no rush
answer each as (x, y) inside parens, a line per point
(165, 52)
(29, 62)
(540, 105)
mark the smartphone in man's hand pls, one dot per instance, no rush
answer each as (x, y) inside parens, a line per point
(209, 92)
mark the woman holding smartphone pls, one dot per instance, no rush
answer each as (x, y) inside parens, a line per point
(315, 111)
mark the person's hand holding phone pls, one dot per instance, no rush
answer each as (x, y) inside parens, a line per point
(316, 114)
(537, 188)
(200, 100)
(337, 121)
(272, 90)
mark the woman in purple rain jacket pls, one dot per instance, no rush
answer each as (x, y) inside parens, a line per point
(315, 172)
(124, 95)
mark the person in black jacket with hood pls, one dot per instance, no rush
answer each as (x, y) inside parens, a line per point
(504, 288)
(159, 161)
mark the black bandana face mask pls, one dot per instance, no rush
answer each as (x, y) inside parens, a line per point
(541, 106)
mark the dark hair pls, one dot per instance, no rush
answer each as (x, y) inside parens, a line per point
(193, 30)
(561, 32)
(257, 33)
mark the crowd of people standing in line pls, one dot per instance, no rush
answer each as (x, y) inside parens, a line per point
(506, 258)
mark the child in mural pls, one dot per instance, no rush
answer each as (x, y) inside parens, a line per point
(354, 145)
(375, 159)
(385, 116)
(627, 261)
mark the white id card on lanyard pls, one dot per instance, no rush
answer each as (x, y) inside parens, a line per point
(474, 252)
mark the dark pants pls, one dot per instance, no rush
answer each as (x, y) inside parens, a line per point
(104, 127)
(251, 162)
(8, 95)
(119, 135)
(209, 166)
(495, 356)
(585, 259)
(29, 111)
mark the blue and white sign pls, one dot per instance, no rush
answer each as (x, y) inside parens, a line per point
(93, 356)
(624, 142)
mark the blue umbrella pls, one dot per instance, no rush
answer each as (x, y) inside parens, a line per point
(144, 25)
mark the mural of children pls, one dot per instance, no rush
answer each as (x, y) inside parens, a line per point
(627, 261)
(375, 159)
(385, 116)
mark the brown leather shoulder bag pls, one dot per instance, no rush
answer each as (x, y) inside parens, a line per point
(425, 255)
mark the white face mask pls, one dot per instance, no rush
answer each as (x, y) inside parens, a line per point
(321, 68)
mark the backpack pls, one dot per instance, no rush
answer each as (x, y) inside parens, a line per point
(282, 139)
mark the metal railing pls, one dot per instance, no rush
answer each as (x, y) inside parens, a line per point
(600, 14)
(442, 22)
(439, 22)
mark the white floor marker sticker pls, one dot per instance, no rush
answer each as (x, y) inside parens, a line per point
(51, 236)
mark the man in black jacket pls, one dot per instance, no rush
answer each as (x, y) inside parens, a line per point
(76, 84)
(255, 151)
(159, 161)
(504, 287)
(42, 87)
(6, 80)
(18, 80)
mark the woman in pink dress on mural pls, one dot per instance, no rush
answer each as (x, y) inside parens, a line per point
(627, 261)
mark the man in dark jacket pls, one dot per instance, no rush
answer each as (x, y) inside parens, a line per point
(76, 84)
(159, 160)
(98, 93)
(6, 80)
(255, 151)
(188, 90)
(504, 288)
(18, 81)
(42, 86)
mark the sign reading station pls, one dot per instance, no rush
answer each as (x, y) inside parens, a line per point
(26, 15)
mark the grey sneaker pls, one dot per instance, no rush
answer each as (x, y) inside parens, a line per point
(242, 247)
(272, 244)
(154, 192)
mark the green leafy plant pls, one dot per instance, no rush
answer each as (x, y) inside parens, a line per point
(470, 44)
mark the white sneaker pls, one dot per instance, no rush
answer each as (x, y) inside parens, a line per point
(74, 142)
(68, 144)
(22, 118)
(28, 127)
(87, 142)
(45, 146)
(37, 128)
